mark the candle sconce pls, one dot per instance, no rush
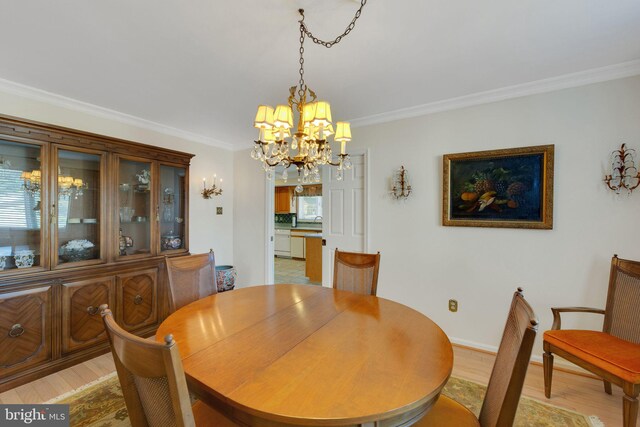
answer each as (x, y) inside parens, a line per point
(624, 173)
(209, 192)
(401, 188)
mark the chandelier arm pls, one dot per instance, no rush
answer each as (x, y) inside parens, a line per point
(329, 44)
(268, 162)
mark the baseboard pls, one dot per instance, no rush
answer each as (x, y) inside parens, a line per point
(559, 364)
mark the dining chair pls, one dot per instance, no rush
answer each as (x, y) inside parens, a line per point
(356, 272)
(614, 353)
(153, 382)
(507, 378)
(191, 278)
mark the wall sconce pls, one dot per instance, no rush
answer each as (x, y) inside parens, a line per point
(207, 193)
(401, 187)
(624, 173)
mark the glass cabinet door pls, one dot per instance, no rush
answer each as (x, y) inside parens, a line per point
(172, 208)
(78, 204)
(21, 181)
(135, 210)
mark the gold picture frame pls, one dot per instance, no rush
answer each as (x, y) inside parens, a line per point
(507, 188)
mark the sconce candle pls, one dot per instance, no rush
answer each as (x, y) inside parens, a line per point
(207, 193)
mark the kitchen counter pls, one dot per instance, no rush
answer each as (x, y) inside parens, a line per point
(313, 236)
(313, 227)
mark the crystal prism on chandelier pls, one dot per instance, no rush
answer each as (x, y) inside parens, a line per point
(306, 146)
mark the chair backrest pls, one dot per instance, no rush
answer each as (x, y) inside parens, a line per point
(622, 316)
(356, 272)
(507, 378)
(191, 278)
(152, 378)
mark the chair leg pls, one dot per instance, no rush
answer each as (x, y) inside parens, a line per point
(607, 387)
(547, 364)
(629, 411)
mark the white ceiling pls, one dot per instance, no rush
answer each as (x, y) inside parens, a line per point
(202, 66)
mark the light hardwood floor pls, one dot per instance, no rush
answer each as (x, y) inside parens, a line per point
(576, 392)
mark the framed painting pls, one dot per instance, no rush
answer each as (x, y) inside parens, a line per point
(510, 188)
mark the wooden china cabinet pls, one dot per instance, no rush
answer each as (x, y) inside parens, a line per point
(85, 220)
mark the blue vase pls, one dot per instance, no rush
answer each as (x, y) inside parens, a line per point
(225, 277)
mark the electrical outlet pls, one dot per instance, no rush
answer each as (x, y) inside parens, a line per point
(219, 210)
(453, 305)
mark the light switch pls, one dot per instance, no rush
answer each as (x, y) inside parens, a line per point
(219, 210)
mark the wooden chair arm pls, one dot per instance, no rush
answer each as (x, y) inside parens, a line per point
(557, 310)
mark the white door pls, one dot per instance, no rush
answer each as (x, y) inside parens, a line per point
(344, 209)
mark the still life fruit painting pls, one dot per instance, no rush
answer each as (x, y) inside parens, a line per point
(499, 188)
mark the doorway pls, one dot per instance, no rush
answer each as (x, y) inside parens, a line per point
(343, 223)
(296, 220)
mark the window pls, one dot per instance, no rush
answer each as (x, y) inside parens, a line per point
(309, 208)
(18, 208)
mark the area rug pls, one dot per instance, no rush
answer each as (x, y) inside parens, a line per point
(100, 404)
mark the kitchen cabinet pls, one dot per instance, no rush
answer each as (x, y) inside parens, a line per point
(298, 243)
(85, 220)
(313, 264)
(297, 246)
(282, 245)
(284, 200)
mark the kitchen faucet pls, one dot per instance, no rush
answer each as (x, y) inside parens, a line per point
(316, 218)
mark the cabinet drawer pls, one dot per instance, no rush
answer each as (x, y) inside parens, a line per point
(25, 329)
(137, 299)
(81, 321)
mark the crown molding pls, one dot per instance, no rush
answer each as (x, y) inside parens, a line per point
(40, 95)
(582, 78)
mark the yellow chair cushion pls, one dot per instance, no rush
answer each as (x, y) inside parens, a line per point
(448, 412)
(614, 355)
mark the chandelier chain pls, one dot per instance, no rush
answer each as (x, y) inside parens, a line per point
(301, 82)
(337, 40)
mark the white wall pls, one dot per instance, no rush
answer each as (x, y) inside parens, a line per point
(207, 230)
(424, 264)
(249, 225)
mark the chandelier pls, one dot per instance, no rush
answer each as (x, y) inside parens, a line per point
(31, 181)
(305, 146)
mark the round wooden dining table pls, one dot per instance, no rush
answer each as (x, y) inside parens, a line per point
(304, 355)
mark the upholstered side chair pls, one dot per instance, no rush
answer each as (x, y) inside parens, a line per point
(614, 353)
(506, 381)
(191, 278)
(153, 382)
(356, 272)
